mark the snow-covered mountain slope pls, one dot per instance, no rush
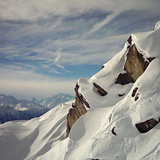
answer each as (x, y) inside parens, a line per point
(110, 132)
(147, 45)
(39, 137)
(115, 115)
(123, 110)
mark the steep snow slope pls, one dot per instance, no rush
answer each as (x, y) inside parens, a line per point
(122, 122)
(24, 140)
(110, 133)
(108, 129)
(147, 44)
(106, 79)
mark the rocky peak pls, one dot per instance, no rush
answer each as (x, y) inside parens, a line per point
(134, 66)
(78, 109)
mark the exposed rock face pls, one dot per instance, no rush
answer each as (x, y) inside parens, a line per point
(121, 95)
(113, 131)
(134, 92)
(99, 89)
(134, 66)
(146, 126)
(78, 109)
(80, 97)
(130, 40)
(124, 78)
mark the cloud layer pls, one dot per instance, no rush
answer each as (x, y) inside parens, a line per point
(45, 45)
(36, 9)
(28, 84)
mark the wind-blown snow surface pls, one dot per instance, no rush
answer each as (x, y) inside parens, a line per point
(39, 137)
(96, 139)
(107, 131)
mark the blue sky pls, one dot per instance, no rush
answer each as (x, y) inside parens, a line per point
(47, 45)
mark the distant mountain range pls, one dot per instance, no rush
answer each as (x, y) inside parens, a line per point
(12, 108)
(55, 100)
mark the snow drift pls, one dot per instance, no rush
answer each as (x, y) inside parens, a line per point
(115, 115)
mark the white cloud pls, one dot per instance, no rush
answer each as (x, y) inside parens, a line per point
(34, 88)
(58, 53)
(99, 25)
(49, 26)
(28, 84)
(35, 9)
(53, 51)
(56, 61)
(89, 51)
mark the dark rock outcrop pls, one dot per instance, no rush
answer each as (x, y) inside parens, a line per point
(146, 126)
(130, 40)
(121, 95)
(134, 66)
(77, 110)
(99, 89)
(124, 78)
(134, 92)
(137, 97)
(113, 131)
(102, 67)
